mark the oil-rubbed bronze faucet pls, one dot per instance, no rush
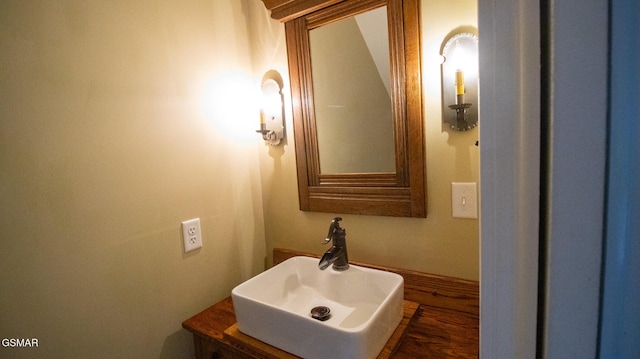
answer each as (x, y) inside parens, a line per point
(337, 254)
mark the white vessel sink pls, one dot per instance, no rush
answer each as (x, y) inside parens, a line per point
(365, 308)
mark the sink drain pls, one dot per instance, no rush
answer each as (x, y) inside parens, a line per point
(321, 313)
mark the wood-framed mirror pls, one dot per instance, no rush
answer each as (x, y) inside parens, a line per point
(395, 187)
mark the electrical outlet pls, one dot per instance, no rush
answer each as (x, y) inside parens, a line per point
(191, 234)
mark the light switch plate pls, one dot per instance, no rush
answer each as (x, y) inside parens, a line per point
(191, 234)
(464, 199)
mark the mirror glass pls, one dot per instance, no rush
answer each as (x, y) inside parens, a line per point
(351, 74)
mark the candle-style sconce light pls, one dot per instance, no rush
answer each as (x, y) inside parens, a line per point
(460, 81)
(272, 108)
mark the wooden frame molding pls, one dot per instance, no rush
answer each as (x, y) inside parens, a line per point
(285, 10)
(401, 193)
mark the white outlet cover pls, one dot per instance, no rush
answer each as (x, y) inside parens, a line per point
(464, 199)
(191, 234)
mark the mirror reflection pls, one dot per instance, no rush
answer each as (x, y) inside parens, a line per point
(352, 94)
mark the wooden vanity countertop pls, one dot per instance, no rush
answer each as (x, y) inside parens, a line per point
(445, 324)
(433, 332)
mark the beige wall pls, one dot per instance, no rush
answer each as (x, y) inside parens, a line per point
(438, 244)
(105, 147)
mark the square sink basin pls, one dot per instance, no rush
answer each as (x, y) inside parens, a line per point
(365, 309)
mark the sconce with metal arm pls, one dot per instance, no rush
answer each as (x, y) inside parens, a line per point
(460, 64)
(272, 108)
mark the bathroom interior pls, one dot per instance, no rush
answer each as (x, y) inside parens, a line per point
(119, 120)
(122, 119)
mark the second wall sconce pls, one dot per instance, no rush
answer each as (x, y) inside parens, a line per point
(460, 81)
(272, 108)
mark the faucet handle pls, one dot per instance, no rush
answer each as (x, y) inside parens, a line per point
(335, 225)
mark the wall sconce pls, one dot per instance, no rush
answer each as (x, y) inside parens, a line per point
(272, 108)
(460, 81)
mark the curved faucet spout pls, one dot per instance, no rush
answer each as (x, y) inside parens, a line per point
(330, 257)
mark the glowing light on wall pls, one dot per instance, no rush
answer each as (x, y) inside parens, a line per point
(230, 102)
